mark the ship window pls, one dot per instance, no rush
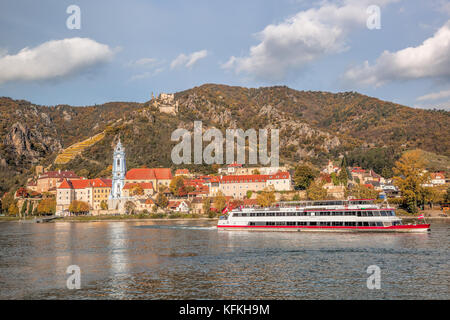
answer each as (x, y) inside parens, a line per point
(281, 223)
(365, 224)
(383, 213)
(376, 213)
(313, 223)
(290, 223)
(369, 214)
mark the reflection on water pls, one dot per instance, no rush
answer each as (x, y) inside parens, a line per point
(194, 260)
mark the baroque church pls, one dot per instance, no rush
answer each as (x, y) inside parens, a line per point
(116, 200)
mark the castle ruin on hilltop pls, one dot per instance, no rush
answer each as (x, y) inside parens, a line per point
(166, 103)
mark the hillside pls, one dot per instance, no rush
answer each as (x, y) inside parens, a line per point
(314, 126)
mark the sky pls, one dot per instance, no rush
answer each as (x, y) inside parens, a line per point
(91, 52)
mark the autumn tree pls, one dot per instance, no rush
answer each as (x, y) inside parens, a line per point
(219, 201)
(77, 206)
(104, 205)
(409, 177)
(447, 196)
(316, 192)
(137, 190)
(303, 176)
(46, 206)
(362, 192)
(129, 207)
(13, 210)
(176, 186)
(266, 198)
(161, 201)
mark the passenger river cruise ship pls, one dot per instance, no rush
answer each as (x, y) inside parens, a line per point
(326, 215)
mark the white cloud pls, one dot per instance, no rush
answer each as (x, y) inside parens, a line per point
(301, 39)
(146, 74)
(435, 95)
(53, 59)
(431, 59)
(144, 62)
(188, 61)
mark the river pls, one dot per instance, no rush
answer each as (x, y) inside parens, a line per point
(193, 260)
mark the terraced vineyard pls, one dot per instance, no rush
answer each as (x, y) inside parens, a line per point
(71, 152)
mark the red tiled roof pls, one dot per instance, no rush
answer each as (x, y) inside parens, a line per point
(58, 174)
(143, 185)
(163, 173)
(101, 183)
(182, 171)
(140, 174)
(437, 175)
(149, 174)
(75, 184)
(254, 177)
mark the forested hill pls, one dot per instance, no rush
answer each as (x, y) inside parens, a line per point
(314, 126)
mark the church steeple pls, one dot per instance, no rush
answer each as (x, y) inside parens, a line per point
(118, 171)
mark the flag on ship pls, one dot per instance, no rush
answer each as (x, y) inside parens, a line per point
(225, 210)
(420, 217)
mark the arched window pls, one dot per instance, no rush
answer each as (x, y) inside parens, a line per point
(118, 162)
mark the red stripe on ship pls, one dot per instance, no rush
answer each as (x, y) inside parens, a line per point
(419, 226)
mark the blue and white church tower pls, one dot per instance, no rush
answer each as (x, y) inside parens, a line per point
(118, 176)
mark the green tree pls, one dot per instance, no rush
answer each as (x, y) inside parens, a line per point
(249, 194)
(23, 210)
(303, 176)
(343, 174)
(387, 173)
(207, 206)
(30, 208)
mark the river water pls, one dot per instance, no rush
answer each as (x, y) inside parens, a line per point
(193, 260)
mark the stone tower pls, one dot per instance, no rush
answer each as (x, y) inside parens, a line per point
(118, 172)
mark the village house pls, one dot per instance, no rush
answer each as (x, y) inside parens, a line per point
(183, 172)
(51, 179)
(331, 168)
(91, 191)
(144, 204)
(437, 178)
(178, 206)
(146, 187)
(236, 186)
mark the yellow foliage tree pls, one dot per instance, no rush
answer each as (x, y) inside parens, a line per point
(316, 192)
(409, 177)
(266, 198)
